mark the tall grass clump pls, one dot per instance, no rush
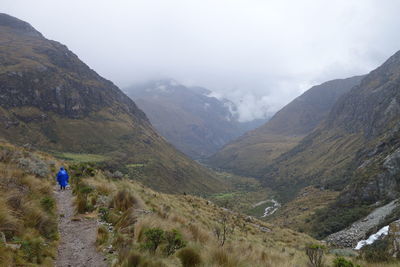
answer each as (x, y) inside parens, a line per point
(124, 200)
(189, 257)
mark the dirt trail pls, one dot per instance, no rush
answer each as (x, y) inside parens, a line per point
(77, 244)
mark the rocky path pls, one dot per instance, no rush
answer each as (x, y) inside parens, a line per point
(78, 235)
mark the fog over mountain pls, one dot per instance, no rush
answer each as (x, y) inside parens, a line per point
(258, 54)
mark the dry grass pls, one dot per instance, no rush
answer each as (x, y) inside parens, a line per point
(27, 213)
(195, 220)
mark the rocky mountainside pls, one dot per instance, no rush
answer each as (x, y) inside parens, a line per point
(252, 152)
(52, 101)
(356, 151)
(188, 117)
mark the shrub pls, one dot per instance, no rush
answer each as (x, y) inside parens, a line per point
(376, 252)
(104, 214)
(315, 254)
(34, 165)
(189, 257)
(33, 249)
(82, 170)
(174, 242)
(153, 238)
(342, 262)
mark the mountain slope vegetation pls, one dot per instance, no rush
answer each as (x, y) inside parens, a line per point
(249, 154)
(188, 117)
(51, 100)
(354, 151)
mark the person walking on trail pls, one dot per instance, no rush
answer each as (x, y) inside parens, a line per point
(62, 178)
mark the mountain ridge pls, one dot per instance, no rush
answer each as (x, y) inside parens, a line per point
(283, 131)
(190, 118)
(54, 102)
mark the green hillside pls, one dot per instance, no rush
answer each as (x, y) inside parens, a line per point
(249, 154)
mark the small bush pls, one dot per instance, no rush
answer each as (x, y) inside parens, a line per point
(104, 214)
(174, 242)
(342, 262)
(376, 252)
(33, 249)
(153, 238)
(189, 257)
(34, 165)
(315, 254)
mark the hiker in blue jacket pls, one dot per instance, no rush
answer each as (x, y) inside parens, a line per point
(62, 178)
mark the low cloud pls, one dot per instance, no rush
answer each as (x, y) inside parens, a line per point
(259, 54)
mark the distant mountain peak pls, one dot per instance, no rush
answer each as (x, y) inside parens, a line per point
(191, 118)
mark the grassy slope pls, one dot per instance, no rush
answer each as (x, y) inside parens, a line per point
(28, 218)
(196, 219)
(251, 153)
(347, 152)
(27, 208)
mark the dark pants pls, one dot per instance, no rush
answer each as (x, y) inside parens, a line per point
(62, 187)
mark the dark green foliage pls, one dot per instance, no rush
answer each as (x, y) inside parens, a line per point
(174, 242)
(333, 219)
(376, 252)
(171, 240)
(342, 262)
(315, 254)
(82, 170)
(104, 214)
(153, 238)
(189, 257)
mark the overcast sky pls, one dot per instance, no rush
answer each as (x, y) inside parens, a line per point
(258, 53)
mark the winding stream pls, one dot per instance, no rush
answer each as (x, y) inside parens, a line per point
(270, 209)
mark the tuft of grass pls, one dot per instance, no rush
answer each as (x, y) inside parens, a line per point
(102, 236)
(189, 257)
(124, 200)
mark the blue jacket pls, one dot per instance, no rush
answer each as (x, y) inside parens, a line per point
(62, 177)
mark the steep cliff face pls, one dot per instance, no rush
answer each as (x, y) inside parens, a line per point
(188, 117)
(354, 151)
(358, 136)
(255, 150)
(53, 101)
